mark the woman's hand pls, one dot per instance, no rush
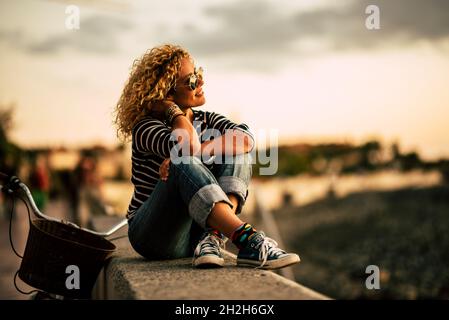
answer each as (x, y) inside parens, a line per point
(163, 169)
(158, 108)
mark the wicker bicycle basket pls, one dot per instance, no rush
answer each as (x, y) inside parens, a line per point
(54, 246)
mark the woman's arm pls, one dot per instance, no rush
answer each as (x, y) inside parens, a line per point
(233, 138)
(182, 128)
(186, 135)
(233, 142)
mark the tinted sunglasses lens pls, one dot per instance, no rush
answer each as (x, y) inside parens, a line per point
(194, 78)
(193, 81)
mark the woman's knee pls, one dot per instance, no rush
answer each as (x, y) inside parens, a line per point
(237, 166)
(241, 161)
(185, 162)
(237, 159)
(192, 167)
(246, 161)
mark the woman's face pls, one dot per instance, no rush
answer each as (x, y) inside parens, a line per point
(183, 95)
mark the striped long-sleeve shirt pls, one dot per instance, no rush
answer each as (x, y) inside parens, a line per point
(152, 141)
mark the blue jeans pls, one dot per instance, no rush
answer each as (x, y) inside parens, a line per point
(170, 222)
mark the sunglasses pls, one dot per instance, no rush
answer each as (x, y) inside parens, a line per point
(193, 80)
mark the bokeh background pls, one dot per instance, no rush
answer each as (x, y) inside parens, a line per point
(361, 117)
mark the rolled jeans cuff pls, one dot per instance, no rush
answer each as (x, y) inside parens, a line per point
(204, 200)
(235, 185)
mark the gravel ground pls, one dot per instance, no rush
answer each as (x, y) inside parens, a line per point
(405, 233)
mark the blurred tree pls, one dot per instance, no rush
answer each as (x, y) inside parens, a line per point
(369, 150)
(395, 151)
(121, 147)
(10, 153)
(317, 159)
(410, 161)
(444, 169)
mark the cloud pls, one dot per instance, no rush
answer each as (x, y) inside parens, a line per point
(97, 34)
(402, 22)
(10, 36)
(249, 27)
(261, 29)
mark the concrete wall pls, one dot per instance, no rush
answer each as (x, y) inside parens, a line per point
(129, 276)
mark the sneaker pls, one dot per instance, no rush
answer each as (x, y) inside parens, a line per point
(208, 252)
(263, 252)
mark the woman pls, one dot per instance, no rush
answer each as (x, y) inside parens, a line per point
(180, 208)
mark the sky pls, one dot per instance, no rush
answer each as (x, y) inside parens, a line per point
(309, 70)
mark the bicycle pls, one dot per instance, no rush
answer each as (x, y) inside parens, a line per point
(56, 249)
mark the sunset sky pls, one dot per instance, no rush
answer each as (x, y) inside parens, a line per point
(309, 69)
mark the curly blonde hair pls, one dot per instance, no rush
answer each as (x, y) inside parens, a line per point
(151, 78)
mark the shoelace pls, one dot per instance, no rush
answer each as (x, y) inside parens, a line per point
(267, 248)
(209, 245)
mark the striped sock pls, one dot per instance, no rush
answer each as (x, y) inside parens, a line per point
(242, 234)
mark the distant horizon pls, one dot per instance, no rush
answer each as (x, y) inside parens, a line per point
(312, 141)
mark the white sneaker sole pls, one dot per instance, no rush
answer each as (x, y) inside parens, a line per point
(208, 261)
(271, 264)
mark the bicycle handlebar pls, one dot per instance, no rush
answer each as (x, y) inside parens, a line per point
(14, 183)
